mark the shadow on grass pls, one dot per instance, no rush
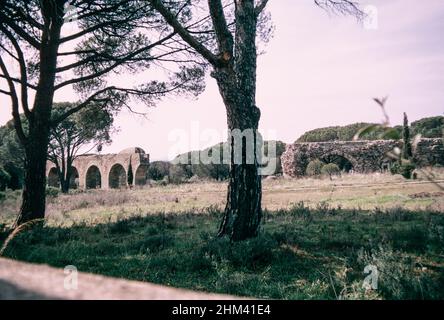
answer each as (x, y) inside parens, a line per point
(301, 253)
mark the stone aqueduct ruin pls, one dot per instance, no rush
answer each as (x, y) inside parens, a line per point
(111, 171)
(359, 156)
(108, 171)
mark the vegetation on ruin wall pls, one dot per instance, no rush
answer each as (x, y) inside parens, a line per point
(428, 128)
(301, 253)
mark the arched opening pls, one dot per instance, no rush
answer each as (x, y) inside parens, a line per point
(93, 178)
(342, 162)
(117, 177)
(74, 179)
(140, 176)
(53, 178)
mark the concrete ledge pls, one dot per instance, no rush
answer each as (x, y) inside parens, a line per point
(19, 280)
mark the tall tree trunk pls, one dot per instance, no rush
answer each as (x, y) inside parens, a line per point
(237, 85)
(235, 72)
(34, 187)
(65, 183)
(36, 146)
(243, 211)
(243, 214)
(65, 176)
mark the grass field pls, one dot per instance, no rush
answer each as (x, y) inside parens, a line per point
(365, 192)
(316, 238)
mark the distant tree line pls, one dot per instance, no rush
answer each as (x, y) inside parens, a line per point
(82, 132)
(11, 158)
(431, 127)
(186, 170)
(11, 163)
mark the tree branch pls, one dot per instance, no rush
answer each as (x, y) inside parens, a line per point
(342, 6)
(15, 104)
(23, 71)
(223, 34)
(82, 105)
(171, 19)
(21, 32)
(92, 29)
(260, 7)
(16, 80)
(26, 17)
(5, 92)
(119, 61)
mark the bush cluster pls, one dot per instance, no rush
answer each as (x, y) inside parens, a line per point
(4, 179)
(317, 168)
(405, 169)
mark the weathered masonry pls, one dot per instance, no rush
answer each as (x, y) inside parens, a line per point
(108, 171)
(357, 156)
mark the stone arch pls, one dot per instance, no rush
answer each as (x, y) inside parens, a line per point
(93, 178)
(74, 179)
(53, 178)
(117, 177)
(140, 175)
(344, 161)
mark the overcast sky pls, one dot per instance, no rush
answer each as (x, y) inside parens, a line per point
(319, 70)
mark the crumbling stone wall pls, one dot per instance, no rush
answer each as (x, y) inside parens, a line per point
(365, 156)
(429, 152)
(109, 165)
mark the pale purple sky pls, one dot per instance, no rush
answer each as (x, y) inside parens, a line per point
(319, 70)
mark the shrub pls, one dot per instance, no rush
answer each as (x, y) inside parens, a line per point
(330, 169)
(52, 192)
(314, 168)
(211, 171)
(179, 173)
(300, 210)
(406, 170)
(16, 174)
(399, 276)
(158, 170)
(395, 168)
(325, 209)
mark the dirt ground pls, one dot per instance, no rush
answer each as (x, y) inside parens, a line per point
(27, 281)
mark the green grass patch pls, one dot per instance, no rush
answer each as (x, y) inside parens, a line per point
(301, 253)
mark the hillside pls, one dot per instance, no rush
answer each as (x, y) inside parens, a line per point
(431, 127)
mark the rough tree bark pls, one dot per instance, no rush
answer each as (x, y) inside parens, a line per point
(65, 175)
(243, 213)
(237, 84)
(36, 146)
(234, 68)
